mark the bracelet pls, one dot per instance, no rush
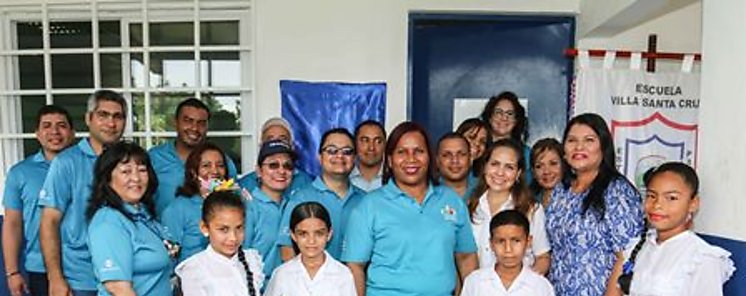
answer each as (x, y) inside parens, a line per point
(12, 273)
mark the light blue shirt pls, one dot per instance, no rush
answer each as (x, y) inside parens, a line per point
(22, 187)
(300, 180)
(181, 219)
(411, 247)
(169, 169)
(262, 227)
(339, 211)
(130, 250)
(67, 188)
(357, 179)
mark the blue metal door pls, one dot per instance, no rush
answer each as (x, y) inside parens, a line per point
(478, 56)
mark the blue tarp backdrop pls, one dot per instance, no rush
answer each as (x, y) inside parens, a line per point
(315, 107)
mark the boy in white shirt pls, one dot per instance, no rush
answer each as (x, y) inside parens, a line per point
(509, 238)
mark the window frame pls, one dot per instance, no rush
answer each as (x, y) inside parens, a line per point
(145, 12)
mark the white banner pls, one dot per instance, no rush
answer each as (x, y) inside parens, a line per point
(653, 117)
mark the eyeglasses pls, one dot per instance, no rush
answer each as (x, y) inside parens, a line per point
(509, 114)
(105, 115)
(276, 165)
(333, 150)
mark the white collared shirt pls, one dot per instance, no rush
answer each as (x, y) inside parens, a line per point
(356, 178)
(210, 273)
(481, 228)
(486, 282)
(291, 279)
(683, 265)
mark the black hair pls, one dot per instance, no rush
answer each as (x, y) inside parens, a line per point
(520, 130)
(454, 135)
(510, 217)
(607, 171)
(684, 171)
(396, 135)
(478, 124)
(336, 130)
(192, 102)
(373, 123)
(191, 184)
(103, 195)
(305, 210)
(53, 109)
(228, 199)
(220, 199)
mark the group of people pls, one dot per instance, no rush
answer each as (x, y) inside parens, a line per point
(480, 214)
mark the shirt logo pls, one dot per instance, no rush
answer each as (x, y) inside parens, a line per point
(449, 213)
(109, 265)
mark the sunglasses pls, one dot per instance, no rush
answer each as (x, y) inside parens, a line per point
(276, 165)
(333, 150)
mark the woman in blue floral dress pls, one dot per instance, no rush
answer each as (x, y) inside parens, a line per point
(593, 214)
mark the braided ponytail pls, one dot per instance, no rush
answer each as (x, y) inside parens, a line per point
(249, 274)
(625, 280)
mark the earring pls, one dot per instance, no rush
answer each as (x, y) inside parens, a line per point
(205, 234)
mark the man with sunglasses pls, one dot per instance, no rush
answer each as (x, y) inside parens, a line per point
(276, 128)
(332, 189)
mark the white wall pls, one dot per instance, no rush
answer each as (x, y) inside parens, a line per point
(722, 118)
(355, 41)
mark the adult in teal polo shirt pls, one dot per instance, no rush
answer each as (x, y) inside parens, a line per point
(191, 122)
(454, 164)
(55, 132)
(127, 244)
(267, 202)
(332, 189)
(65, 195)
(413, 237)
(276, 128)
(183, 216)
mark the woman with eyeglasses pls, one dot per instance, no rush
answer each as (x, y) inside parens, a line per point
(332, 189)
(411, 236)
(267, 202)
(508, 119)
(204, 166)
(129, 248)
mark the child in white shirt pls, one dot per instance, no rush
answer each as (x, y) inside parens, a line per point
(313, 271)
(509, 239)
(670, 259)
(224, 268)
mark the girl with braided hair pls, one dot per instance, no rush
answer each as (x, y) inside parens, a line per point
(313, 271)
(224, 267)
(669, 258)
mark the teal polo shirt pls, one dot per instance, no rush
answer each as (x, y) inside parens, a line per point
(262, 226)
(169, 169)
(410, 247)
(22, 186)
(67, 188)
(181, 219)
(471, 184)
(300, 179)
(339, 211)
(129, 250)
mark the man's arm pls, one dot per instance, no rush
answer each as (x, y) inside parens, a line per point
(12, 238)
(358, 274)
(49, 237)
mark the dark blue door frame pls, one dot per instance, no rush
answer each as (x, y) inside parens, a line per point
(455, 41)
